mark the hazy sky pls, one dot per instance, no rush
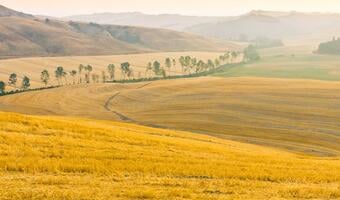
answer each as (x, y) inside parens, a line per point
(187, 7)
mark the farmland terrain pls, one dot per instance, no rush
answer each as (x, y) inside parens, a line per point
(266, 111)
(89, 110)
(64, 158)
(290, 62)
(33, 67)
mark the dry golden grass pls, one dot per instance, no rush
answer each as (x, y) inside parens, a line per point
(296, 115)
(32, 67)
(71, 158)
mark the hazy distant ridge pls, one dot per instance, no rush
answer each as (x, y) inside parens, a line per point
(271, 24)
(169, 21)
(26, 35)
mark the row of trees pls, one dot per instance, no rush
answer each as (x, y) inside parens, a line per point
(13, 82)
(84, 73)
(330, 47)
(189, 65)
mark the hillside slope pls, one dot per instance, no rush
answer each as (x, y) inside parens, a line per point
(168, 21)
(32, 67)
(68, 158)
(272, 112)
(291, 27)
(25, 35)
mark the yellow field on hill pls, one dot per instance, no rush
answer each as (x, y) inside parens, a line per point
(32, 67)
(70, 158)
(295, 115)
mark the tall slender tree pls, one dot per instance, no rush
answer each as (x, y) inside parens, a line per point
(211, 64)
(25, 83)
(73, 73)
(60, 74)
(12, 81)
(125, 68)
(111, 68)
(163, 73)
(156, 68)
(148, 69)
(45, 77)
(182, 63)
(200, 66)
(193, 64)
(174, 63)
(89, 70)
(81, 67)
(168, 65)
(2, 87)
(104, 77)
(187, 63)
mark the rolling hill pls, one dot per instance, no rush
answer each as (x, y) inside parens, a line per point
(291, 63)
(70, 158)
(272, 112)
(168, 21)
(32, 67)
(291, 27)
(26, 35)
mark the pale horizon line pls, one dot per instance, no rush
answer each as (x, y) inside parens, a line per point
(173, 13)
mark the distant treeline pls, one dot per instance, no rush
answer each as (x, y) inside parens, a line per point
(331, 47)
(261, 42)
(4, 93)
(199, 74)
(154, 70)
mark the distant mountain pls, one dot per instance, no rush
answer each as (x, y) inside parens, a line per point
(293, 26)
(26, 35)
(168, 21)
(279, 25)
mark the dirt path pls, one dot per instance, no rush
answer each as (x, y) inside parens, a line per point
(120, 115)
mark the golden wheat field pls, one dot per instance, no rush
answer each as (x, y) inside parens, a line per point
(32, 67)
(295, 115)
(71, 158)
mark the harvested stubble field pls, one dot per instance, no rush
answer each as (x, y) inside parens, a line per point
(32, 67)
(64, 158)
(295, 115)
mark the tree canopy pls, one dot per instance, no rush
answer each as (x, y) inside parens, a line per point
(59, 74)
(125, 67)
(2, 87)
(44, 77)
(111, 70)
(251, 54)
(25, 83)
(12, 79)
(331, 47)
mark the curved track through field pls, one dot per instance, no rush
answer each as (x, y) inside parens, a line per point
(120, 115)
(295, 115)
